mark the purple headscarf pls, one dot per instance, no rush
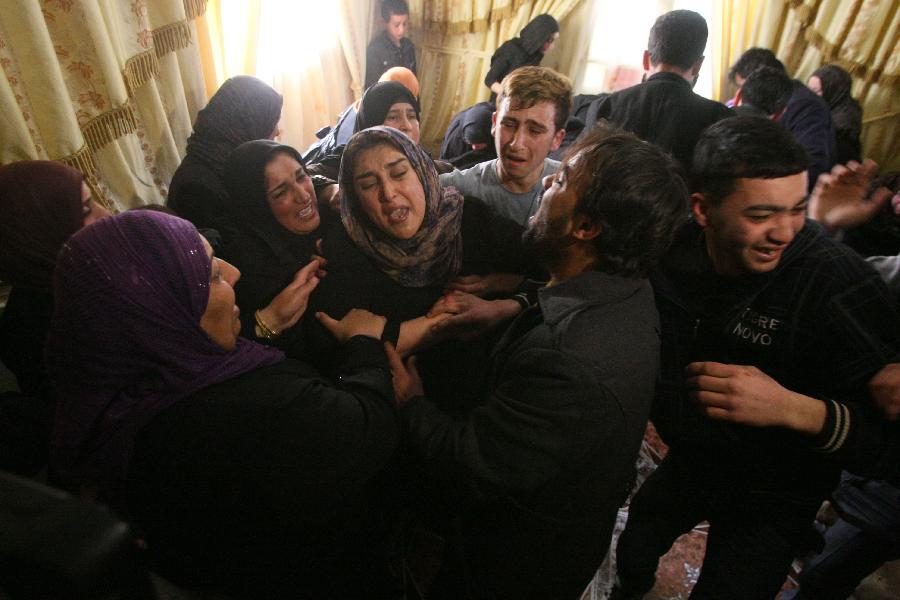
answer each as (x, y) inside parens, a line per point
(125, 339)
(40, 207)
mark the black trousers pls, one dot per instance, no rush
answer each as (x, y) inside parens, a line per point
(750, 544)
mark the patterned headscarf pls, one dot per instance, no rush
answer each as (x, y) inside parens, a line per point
(125, 340)
(243, 109)
(434, 254)
(40, 207)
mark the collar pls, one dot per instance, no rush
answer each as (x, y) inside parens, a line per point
(592, 288)
(667, 76)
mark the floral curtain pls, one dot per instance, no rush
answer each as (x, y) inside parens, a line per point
(863, 36)
(455, 40)
(110, 88)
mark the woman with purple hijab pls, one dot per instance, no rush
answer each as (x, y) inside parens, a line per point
(244, 470)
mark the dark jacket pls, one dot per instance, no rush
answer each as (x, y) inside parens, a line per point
(808, 118)
(256, 486)
(382, 54)
(822, 323)
(540, 469)
(663, 110)
(26, 419)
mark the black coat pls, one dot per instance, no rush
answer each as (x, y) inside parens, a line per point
(382, 54)
(535, 476)
(663, 110)
(257, 486)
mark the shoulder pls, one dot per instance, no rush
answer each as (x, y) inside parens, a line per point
(468, 179)
(590, 310)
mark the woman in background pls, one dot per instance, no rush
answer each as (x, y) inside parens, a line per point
(833, 84)
(42, 203)
(243, 109)
(535, 40)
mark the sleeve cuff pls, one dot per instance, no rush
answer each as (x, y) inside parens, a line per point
(836, 429)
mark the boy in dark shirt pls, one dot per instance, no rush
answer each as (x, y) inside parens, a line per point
(391, 48)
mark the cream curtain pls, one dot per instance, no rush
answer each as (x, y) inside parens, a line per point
(863, 36)
(316, 62)
(108, 87)
(455, 41)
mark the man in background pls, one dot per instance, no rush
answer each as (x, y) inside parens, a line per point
(664, 109)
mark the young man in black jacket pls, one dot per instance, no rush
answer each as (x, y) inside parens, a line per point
(770, 333)
(536, 474)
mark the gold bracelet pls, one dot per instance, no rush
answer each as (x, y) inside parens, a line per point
(263, 330)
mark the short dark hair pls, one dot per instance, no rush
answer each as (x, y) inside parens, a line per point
(677, 38)
(743, 147)
(753, 59)
(634, 191)
(768, 89)
(393, 7)
(526, 86)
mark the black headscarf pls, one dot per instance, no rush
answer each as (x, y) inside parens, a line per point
(245, 179)
(377, 101)
(846, 112)
(243, 109)
(537, 32)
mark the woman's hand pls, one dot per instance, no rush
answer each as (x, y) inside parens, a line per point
(356, 322)
(288, 306)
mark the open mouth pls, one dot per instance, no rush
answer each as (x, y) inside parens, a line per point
(398, 215)
(768, 254)
(307, 211)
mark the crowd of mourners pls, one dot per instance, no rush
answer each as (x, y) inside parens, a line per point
(359, 371)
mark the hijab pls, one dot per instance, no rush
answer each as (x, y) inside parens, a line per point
(537, 32)
(245, 179)
(434, 254)
(845, 110)
(378, 100)
(40, 207)
(243, 109)
(125, 340)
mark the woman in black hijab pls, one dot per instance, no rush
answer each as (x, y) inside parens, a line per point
(243, 109)
(277, 223)
(833, 84)
(528, 49)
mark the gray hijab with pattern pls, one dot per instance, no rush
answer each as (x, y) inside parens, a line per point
(433, 255)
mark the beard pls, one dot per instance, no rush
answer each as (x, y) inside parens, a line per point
(547, 242)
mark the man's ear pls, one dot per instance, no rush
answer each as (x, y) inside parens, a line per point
(695, 69)
(584, 228)
(557, 139)
(700, 209)
(493, 122)
(646, 60)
